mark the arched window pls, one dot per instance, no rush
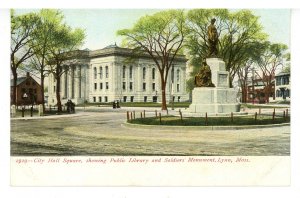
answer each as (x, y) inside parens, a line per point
(144, 72)
(130, 72)
(101, 73)
(172, 74)
(95, 73)
(124, 71)
(153, 73)
(106, 71)
(178, 75)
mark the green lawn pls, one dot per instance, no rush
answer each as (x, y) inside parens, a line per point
(250, 106)
(211, 121)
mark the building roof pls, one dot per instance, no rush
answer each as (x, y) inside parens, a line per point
(283, 74)
(19, 81)
(111, 46)
(112, 50)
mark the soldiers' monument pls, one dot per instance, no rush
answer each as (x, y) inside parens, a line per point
(212, 93)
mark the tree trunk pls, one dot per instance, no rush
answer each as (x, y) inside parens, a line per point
(267, 93)
(244, 94)
(163, 94)
(43, 93)
(57, 76)
(14, 94)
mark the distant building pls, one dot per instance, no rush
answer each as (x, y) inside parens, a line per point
(282, 86)
(256, 92)
(28, 91)
(109, 74)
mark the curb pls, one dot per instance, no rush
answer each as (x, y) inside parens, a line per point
(201, 128)
(47, 117)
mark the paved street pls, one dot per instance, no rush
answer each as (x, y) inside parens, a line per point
(102, 133)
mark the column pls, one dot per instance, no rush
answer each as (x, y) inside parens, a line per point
(72, 81)
(76, 83)
(66, 83)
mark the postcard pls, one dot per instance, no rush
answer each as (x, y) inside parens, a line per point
(150, 97)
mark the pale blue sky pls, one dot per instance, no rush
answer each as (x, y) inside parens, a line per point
(101, 24)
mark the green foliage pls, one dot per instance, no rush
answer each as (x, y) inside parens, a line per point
(240, 37)
(161, 36)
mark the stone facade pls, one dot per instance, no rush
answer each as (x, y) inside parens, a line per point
(108, 74)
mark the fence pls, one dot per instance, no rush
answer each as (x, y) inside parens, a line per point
(230, 117)
(34, 110)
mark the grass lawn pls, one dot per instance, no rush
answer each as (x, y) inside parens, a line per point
(211, 121)
(250, 106)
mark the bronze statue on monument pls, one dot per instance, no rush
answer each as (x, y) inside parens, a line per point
(213, 39)
(203, 77)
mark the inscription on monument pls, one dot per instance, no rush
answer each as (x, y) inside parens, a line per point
(222, 82)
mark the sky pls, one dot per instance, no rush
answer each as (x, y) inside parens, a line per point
(101, 25)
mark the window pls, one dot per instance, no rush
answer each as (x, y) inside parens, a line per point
(105, 98)
(153, 73)
(124, 86)
(94, 99)
(130, 72)
(106, 85)
(278, 81)
(124, 98)
(178, 75)
(23, 90)
(178, 88)
(153, 86)
(178, 98)
(34, 90)
(172, 74)
(144, 86)
(130, 86)
(106, 71)
(124, 72)
(145, 98)
(100, 99)
(154, 98)
(95, 86)
(95, 73)
(33, 83)
(53, 88)
(101, 86)
(287, 93)
(101, 73)
(144, 72)
(28, 82)
(131, 98)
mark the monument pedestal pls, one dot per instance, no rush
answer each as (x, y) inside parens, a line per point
(218, 99)
(214, 100)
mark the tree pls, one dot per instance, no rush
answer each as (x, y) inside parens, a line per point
(255, 50)
(22, 28)
(287, 67)
(238, 33)
(40, 42)
(161, 36)
(62, 41)
(273, 57)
